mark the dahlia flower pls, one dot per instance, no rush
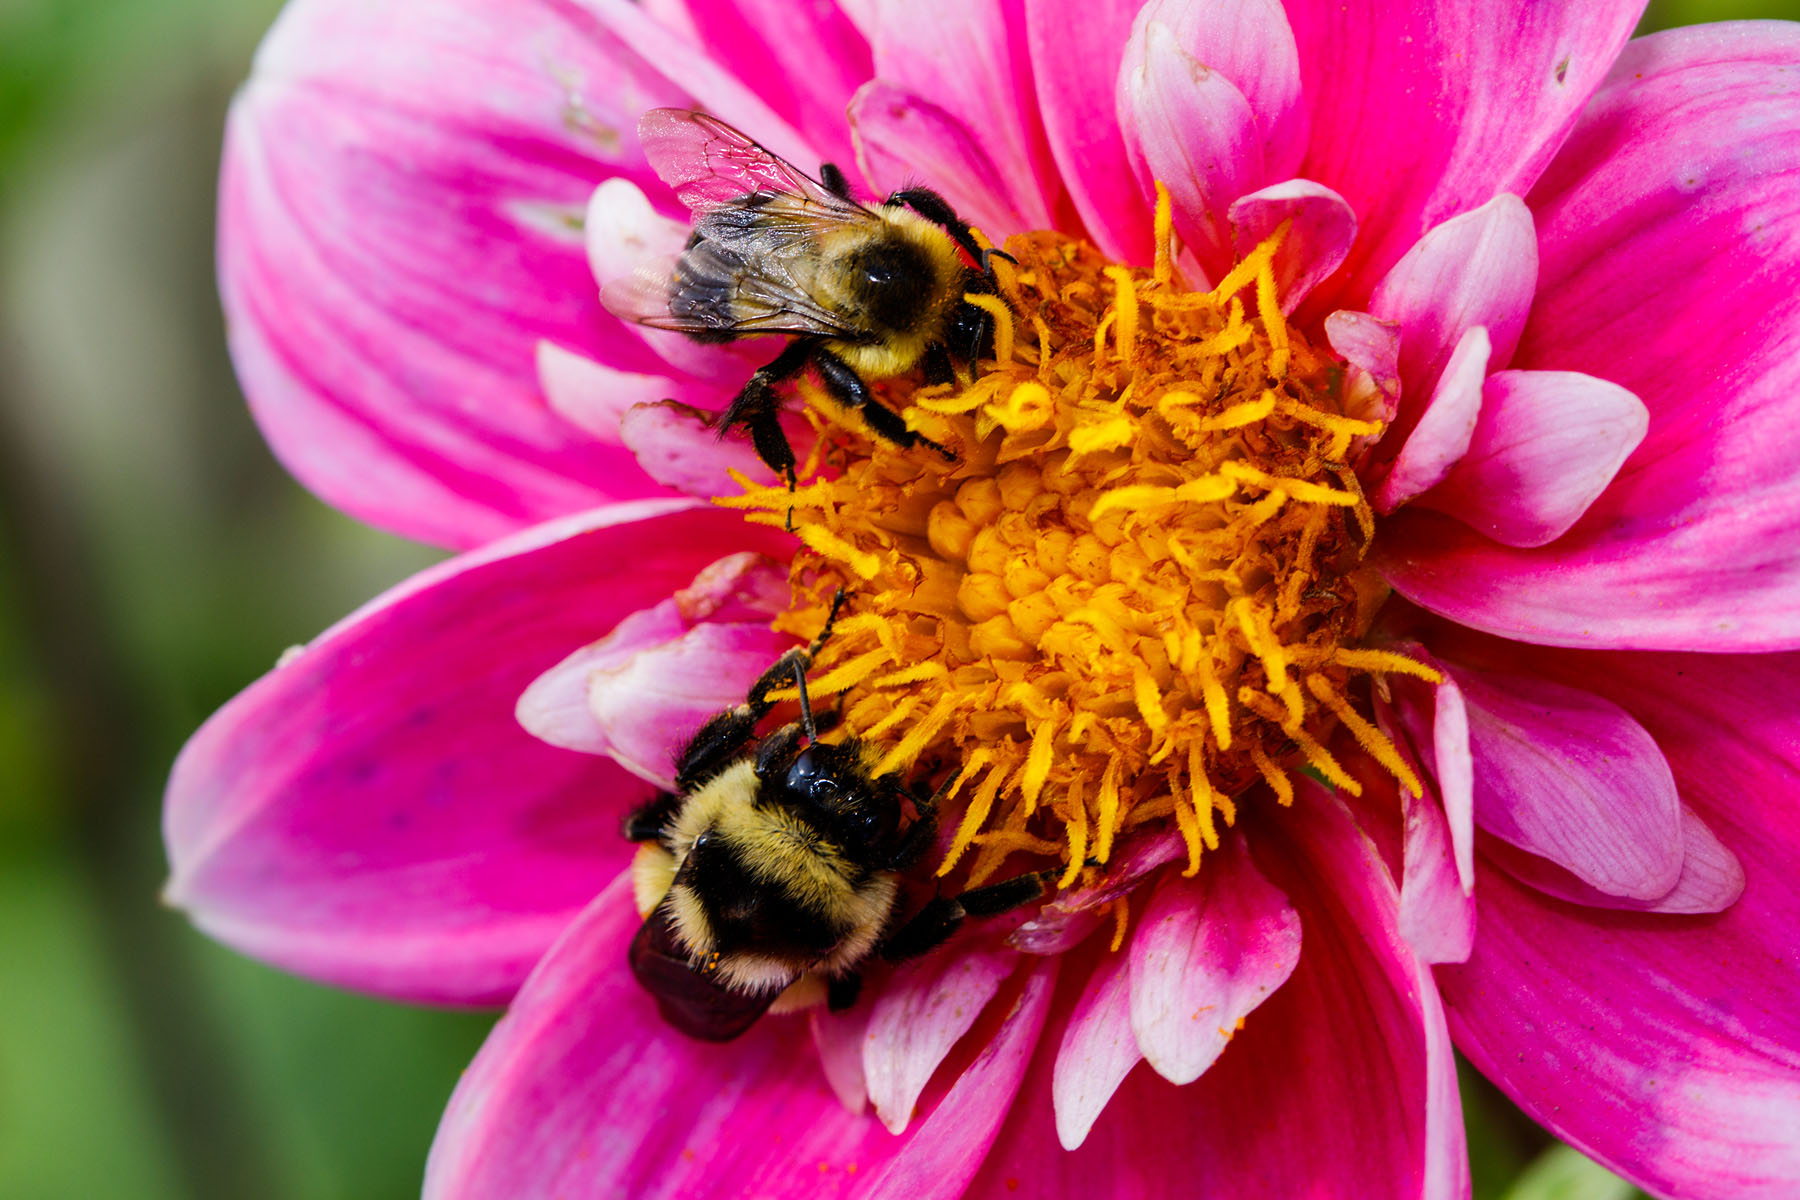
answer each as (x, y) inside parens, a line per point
(1367, 575)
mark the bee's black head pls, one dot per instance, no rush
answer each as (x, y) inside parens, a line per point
(829, 787)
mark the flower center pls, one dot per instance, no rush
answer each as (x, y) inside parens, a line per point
(1138, 590)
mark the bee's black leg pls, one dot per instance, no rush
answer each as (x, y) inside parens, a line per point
(646, 823)
(725, 735)
(841, 991)
(916, 843)
(937, 365)
(937, 210)
(934, 924)
(757, 407)
(848, 389)
(834, 181)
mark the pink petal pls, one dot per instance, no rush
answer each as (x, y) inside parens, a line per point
(1666, 1047)
(1425, 110)
(1316, 244)
(679, 446)
(1478, 269)
(1711, 879)
(1097, 1052)
(1187, 126)
(1546, 445)
(947, 1149)
(1077, 78)
(902, 138)
(1445, 427)
(1206, 953)
(370, 814)
(919, 1016)
(628, 242)
(591, 396)
(1372, 349)
(1685, 169)
(970, 58)
(1437, 909)
(581, 1092)
(400, 208)
(1433, 720)
(706, 82)
(804, 58)
(555, 707)
(1069, 917)
(1343, 1084)
(838, 1039)
(1568, 776)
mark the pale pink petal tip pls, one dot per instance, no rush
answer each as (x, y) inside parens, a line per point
(1476, 269)
(679, 446)
(591, 396)
(1321, 228)
(1207, 952)
(1191, 129)
(1711, 880)
(1571, 777)
(639, 692)
(1098, 1051)
(924, 1011)
(1371, 348)
(1546, 444)
(1444, 429)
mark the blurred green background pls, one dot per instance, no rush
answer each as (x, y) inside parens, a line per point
(154, 560)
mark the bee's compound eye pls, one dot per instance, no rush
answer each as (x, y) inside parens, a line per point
(807, 779)
(880, 276)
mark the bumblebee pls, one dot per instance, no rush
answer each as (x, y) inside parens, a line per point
(776, 864)
(865, 292)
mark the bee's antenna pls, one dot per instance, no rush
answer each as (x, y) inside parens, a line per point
(806, 716)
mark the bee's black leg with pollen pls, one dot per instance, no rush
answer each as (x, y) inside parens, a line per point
(935, 924)
(722, 739)
(647, 823)
(757, 407)
(848, 389)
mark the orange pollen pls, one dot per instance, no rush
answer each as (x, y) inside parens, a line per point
(1135, 597)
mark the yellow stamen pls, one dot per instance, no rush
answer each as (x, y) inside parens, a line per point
(1136, 596)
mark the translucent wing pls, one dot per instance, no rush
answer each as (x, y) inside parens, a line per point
(751, 269)
(710, 165)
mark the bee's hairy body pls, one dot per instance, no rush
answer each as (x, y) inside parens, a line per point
(775, 868)
(865, 291)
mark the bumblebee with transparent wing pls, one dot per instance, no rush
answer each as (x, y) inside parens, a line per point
(866, 292)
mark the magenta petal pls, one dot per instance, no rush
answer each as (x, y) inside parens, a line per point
(1077, 78)
(1188, 127)
(971, 59)
(1478, 269)
(1569, 776)
(1546, 445)
(919, 1016)
(679, 446)
(902, 138)
(581, 1092)
(399, 218)
(1666, 1047)
(944, 1153)
(1317, 241)
(370, 814)
(1097, 1052)
(1712, 878)
(1343, 1084)
(1445, 427)
(1425, 110)
(1686, 168)
(1206, 953)
(804, 58)
(1069, 917)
